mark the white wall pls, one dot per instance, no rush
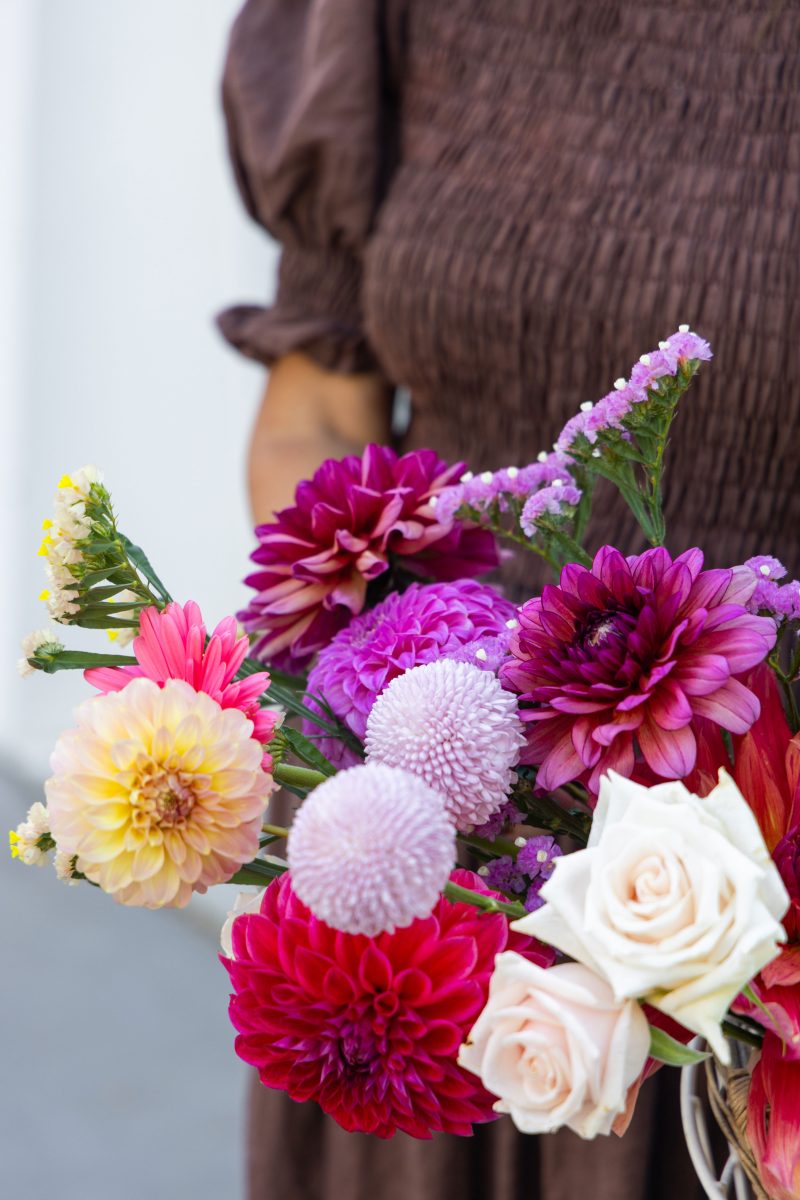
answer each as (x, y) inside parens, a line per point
(120, 236)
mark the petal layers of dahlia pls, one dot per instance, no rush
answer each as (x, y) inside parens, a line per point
(172, 645)
(629, 653)
(316, 560)
(369, 1027)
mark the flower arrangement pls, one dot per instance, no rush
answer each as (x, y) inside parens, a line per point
(538, 848)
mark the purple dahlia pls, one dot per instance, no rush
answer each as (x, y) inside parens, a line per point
(420, 625)
(315, 561)
(628, 653)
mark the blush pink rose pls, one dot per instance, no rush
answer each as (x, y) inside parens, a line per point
(556, 1047)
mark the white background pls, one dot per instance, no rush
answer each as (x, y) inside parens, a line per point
(121, 235)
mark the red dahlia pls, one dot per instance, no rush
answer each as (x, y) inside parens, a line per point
(369, 1027)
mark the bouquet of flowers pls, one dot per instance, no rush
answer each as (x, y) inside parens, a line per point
(538, 849)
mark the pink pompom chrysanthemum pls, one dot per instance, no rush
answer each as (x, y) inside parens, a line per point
(630, 652)
(370, 1028)
(371, 849)
(158, 791)
(454, 726)
(420, 625)
(347, 523)
(172, 645)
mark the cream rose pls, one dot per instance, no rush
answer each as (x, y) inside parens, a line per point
(675, 900)
(556, 1047)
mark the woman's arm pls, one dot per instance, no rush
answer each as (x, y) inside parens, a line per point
(308, 414)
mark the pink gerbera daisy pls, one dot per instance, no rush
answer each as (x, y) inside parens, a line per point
(370, 1028)
(172, 645)
(629, 653)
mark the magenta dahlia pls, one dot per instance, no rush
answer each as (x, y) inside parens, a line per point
(420, 625)
(345, 527)
(369, 1027)
(628, 653)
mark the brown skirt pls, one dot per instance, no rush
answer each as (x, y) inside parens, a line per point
(297, 1153)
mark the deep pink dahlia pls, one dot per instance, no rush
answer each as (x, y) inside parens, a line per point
(315, 561)
(369, 1027)
(420, 625)
(628, 653)
(172, 645)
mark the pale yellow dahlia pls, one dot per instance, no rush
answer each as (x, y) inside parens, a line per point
(158, 791)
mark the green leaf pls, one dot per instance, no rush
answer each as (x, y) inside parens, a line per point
(93, 594)
(258, 873)
(142, 562)
(667, 1050)
(79, 660)
(307, 752)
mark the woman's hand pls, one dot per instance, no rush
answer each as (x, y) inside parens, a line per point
(308, 414)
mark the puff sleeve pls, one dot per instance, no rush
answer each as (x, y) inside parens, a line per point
(302, 97)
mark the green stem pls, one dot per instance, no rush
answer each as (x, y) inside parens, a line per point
(462, 895)
(491, 849)
(733, 1028)
(791, 700)
(278, 831)
(302, 777)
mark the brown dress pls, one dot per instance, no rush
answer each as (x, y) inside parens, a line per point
(500, 204)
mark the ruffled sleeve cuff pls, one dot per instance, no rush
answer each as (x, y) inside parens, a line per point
(317, 311)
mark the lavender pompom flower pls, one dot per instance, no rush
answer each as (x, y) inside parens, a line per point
(371, 849)
(454, 726)
(420, 625)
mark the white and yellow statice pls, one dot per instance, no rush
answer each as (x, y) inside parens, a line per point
(158, 792)
(31, 840)
(64, 534)
(41, 639)
(64, 866)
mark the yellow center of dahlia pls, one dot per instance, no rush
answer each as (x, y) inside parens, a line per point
(158, 792)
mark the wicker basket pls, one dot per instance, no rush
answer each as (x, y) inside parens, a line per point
(727, 1089)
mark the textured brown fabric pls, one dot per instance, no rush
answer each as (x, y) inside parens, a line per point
(501, 203)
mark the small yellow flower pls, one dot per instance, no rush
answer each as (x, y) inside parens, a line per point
(45, 595)
(13, 842)
(66, 481)
(47, 542)
(47, 524)
(113, 634)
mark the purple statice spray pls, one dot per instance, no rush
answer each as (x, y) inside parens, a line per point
(527, 873)
(555, 500)
(610, 412)
(536, 860)
(477, 495)
(771, 597)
